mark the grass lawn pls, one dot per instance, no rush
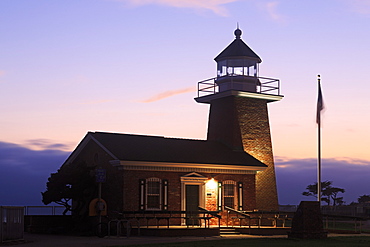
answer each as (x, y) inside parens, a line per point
(356, 241)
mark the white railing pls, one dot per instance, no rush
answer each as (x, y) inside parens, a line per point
(263, 85)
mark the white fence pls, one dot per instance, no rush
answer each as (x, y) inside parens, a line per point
(11, 223)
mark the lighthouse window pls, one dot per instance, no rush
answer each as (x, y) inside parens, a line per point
(238, 71)
(223, 71)
(230, 70)
(245, 70)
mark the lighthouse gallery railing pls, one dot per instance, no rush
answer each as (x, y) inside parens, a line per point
(263, 85)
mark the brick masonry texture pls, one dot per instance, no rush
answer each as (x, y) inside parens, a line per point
(131, 192)
(243, 124)
(121, 190)
(131, 187)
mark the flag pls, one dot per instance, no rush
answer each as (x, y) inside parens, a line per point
(320, 103)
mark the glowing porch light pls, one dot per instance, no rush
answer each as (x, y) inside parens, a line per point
(211, 184)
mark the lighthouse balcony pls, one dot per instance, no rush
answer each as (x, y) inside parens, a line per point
(248, 86)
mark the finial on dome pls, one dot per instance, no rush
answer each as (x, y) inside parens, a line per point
(237, 32)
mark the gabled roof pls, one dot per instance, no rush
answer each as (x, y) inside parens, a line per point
(127, 147)
(238, 48)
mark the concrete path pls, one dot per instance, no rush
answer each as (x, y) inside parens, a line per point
(41, 240)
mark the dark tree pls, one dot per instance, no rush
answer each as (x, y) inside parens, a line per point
(364, 199)
(73, 182)
(328, 192)
(332, 193)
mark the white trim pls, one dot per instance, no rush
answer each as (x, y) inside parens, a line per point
(187, 167)
(85, 141)
(220, 195)
(189, 180)
(104, 148)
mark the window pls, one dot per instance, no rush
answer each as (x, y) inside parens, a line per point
(229, 193)
(153, 194)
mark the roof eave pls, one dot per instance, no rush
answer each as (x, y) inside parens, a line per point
(219, 58)
(126, 163)
(88, 137)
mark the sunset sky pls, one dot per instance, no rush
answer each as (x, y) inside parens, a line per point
(132, 66)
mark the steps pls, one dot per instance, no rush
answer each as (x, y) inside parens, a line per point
(229, 231)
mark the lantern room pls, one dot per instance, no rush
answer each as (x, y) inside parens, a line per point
(237, 67)
(238, 75)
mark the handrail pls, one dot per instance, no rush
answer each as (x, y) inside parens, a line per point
(260, 215)
(167, 214)
(237, 212)
(338, 217)
(210, 86)
(213, 213)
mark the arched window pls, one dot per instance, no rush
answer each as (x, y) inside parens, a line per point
(229, 193)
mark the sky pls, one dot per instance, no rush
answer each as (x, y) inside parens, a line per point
(132, 66)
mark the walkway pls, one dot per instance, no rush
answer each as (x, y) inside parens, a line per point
(40, 240)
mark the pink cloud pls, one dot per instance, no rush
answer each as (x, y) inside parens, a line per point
(271, 8)
(46, 144)
(213, 5)
(167, 94)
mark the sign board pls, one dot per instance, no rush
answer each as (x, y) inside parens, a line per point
(100, 175)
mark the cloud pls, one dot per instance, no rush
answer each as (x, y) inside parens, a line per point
(24, 173)
(271, 8)
(41, 144)
(212, 5)
(167, 94)
(293, 176)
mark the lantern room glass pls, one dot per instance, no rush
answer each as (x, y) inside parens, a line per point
(235, 67)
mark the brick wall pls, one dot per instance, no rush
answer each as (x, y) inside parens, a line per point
(243, 124)
(256, 137)
(131, 191)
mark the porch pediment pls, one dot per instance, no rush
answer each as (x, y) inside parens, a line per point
(193, 176)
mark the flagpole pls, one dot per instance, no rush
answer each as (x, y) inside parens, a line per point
(319, 163)
(318, 120)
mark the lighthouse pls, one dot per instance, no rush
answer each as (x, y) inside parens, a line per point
(238, 115)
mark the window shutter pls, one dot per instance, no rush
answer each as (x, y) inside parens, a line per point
(240, 196)
(219, 199)
(165, 194)
(142, 194)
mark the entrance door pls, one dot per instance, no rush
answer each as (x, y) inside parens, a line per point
(192, 203)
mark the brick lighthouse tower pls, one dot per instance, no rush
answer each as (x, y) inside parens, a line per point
(238, 114)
